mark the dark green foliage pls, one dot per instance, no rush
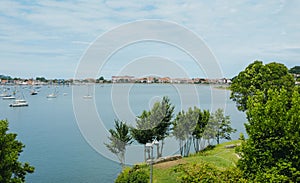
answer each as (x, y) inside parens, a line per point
(194, 125)
(242, 137)
(198, 132)
(136, 174)
(221, 125)
(184, 126)
(119, 139)
(269, 96)
(278, 173)
(188, 127)
(42, 79)
(205, 172)
(295, 70)
(259, 77)
(154, 124)
(5, 77)
(273, 146)
(11, 170)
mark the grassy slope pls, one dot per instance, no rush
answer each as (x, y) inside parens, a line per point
(219, 156)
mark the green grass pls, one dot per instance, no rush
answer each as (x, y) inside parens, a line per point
(219, 156)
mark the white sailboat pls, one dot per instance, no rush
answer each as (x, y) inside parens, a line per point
(88, 96)
(54, 94)
(33, 92)
(19, 103)
(5, 93)
(11, 97)
(8, 96)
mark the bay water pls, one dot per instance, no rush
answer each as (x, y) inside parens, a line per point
(54, 142)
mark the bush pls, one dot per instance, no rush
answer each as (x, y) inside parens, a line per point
(282, 172)
(205, 172)
(242, 137)
(136, 174)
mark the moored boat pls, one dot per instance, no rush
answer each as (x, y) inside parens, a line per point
(52, 95)
(11, 97)
(33, 92)
(88, 96)
(19, 103)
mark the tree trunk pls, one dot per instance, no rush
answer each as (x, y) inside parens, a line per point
(196, 142)
(144, 152)
(180, 147)
(218, 137)
(123, 159)
(148, 152)
(157, 151)
(161, 148)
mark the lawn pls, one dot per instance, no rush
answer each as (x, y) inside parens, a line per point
(219, 156)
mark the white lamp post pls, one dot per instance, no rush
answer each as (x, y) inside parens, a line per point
(150, 145)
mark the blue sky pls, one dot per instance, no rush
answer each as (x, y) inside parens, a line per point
(48, 38)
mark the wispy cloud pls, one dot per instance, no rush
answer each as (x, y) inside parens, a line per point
(236, 31)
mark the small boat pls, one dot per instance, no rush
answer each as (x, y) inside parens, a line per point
(88, 96)
(33, 92)
(5, 94)
(11, 97)
(52, 95)
(19, 103)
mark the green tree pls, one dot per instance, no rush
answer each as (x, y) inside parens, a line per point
(295, 70)
(11, 169)
(119, 139)
(42, 79)
(154, 124)
(162, 114)
(221, 125)
(259, 77)
(271, 153)
(184, 127)
(198, 132)
(143, 132)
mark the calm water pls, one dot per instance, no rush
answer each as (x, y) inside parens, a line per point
(58, 150)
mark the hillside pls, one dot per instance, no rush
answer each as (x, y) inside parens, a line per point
(218, 156)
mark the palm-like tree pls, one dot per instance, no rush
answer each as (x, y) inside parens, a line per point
(119, 139)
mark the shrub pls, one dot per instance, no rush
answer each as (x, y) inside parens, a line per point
(205, 172)
(136, 174)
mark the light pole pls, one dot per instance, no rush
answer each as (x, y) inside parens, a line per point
(150, 145)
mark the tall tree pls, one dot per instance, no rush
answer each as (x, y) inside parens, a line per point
(259, 77)
(271, 152)
(199, 129)
(143, 132)
(11, 169)
(184, 126)
(119, 139)
(162, 113)
(295, 70)
(221, 125)
(154, 124)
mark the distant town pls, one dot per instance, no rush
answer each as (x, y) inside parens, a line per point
(8, 80)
